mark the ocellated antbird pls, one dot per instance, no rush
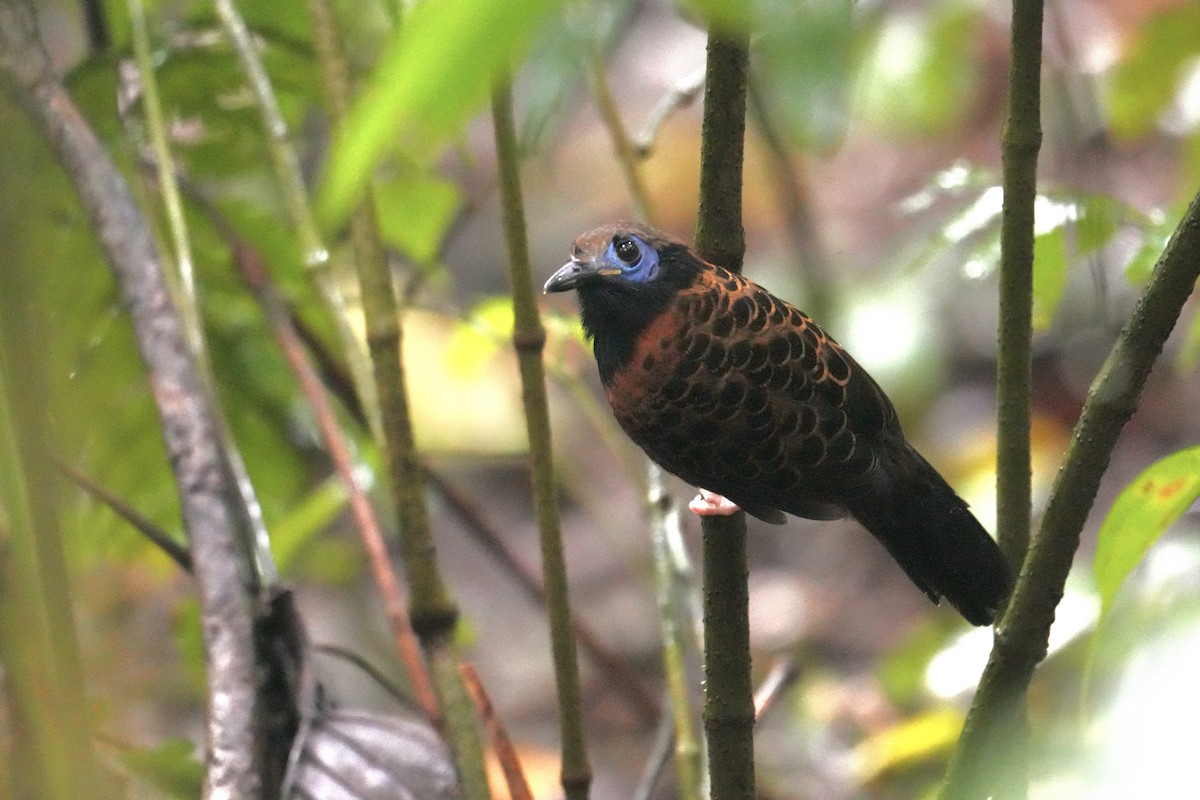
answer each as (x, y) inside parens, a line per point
(738, 392)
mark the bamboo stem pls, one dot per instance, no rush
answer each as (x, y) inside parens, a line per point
(720, 238)
(529, 338)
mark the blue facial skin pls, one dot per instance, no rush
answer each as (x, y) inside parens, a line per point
(637, 260)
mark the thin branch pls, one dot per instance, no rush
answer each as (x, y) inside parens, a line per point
(780, 677)
(529, 339)
(159, 537)
(506, 754)
(1022, 138)
(189, 423)
(615, 669)
(186, 296)
(991, 753)
(674, 585)
(255, 274)
(681, 96)
(720, 238)
(626, 151)
(792, 186)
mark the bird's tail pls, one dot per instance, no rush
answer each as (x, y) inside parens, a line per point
(934, 537)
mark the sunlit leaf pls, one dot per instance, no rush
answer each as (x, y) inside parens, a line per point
(292, 532)
(1096, 222)
(919, 71)
(1049, 275)
(1189, 352)
(435, 73)
(1141, 514)
(1141, 266)
(1144, 83)
(475, 341)
(912, 741)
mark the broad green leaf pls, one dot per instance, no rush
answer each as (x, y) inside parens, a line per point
(1145, 82)
(436, 72)
(1096, 222)
(1049, 275)
(1140, 515)
(804, 60)
(414, 213)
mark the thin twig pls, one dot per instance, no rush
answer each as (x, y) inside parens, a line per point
(682, 95)
(780, 676)
(159, 537)
(433, 611)
(506, 754)
(286, 163)
(674, 585)
(254, 272)
(615, 669)
(186, 294)
(791, 184)
(627, 154)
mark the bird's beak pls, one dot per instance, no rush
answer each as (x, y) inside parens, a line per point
(569, 276)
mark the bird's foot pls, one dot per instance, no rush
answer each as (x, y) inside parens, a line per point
(711, 504)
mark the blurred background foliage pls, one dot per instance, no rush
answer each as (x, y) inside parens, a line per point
(872, 201)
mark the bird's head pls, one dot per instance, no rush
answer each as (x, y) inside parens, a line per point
(626, 274)
(613, 254)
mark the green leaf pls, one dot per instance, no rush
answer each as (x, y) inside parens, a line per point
(803, 58)
(1140, 515)
(414, 213)
(1144, 84)
(919, 72)
(1097, 217)
(171, 767)
(1189, 352)
(435, 73)
(1049, 275)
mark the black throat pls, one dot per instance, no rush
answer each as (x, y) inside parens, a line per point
(616, 312)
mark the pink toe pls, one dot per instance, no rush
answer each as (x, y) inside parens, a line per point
(711, 504)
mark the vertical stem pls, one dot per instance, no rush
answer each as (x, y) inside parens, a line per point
(1022, 139)
(433, 612)
(720, 238)
(529, 337)
(156, 126)
(668, 577)
(258, 544)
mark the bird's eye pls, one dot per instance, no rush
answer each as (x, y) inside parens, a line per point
(627, 250)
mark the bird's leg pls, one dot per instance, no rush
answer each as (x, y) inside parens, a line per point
(711, 504)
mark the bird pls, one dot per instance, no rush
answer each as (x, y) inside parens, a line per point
(741, 394)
